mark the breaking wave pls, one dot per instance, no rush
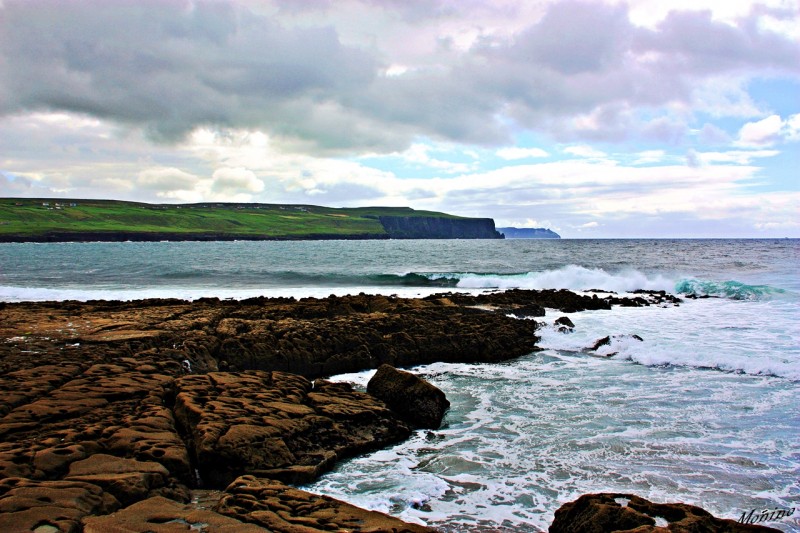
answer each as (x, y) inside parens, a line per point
(734, 290)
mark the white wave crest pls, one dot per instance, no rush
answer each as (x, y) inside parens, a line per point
(573, 277)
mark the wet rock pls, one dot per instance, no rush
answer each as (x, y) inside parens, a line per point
(283, 509)
(607, 341)
(564, 324)
(161, 515)
(128, 480)
(276, 425)
(418, 402)
(29, 504)
(627, 513)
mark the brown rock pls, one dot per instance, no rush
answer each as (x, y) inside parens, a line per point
(627, 513)
(26, 504)
(283, 509)
(274, 424)
(160, 515)
(128, 480)
(416, 401)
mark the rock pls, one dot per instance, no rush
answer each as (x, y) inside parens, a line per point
(564, 324)
(627, 513)
(161, 515)
(416, 401)
(522, 310)
(27, 504)
(607, 340)
(283, 509)
(128, 480)
(274, 424)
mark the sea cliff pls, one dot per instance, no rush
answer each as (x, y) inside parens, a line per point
(439, 228)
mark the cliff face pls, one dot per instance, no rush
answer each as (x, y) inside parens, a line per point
(528, 233)
(439, 228)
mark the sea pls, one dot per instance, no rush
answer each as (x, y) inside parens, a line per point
(704, 409)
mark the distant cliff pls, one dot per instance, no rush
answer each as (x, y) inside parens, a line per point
(68, 220)
(418, 227)
(528, 233)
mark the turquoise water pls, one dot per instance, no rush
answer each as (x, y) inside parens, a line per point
(703, 410)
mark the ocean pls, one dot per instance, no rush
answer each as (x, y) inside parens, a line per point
(704, 409)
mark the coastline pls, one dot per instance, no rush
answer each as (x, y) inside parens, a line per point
(114, 398)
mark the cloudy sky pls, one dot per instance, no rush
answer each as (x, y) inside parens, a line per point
(596, 118)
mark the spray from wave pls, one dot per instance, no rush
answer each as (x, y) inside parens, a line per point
(572, 277)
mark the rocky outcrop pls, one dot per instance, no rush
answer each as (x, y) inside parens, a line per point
(525, 302)
(626, 513)
(110, 405)
(51, 506)
(422, 227)
(416, 401)
(282, 509)
(277, 425)
(159, 514)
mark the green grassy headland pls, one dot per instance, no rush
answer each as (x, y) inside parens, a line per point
(50, 219)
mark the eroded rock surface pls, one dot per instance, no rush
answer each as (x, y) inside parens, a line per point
(128, 405)
(275, 424)
(418, 402)
(626, 513)
(284, 509)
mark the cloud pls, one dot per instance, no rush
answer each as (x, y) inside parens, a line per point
(233, 181)
(649, 156)
(762, 133)
(315, 79)
(584, 151)
(166, 179)
(516, 152)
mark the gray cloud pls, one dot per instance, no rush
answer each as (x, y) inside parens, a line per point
(168, 67)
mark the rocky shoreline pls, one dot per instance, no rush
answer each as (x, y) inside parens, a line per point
(113, 413)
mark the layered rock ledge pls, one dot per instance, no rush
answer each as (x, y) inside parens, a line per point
(126, 407)
(112, 413)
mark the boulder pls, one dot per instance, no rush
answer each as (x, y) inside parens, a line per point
(416, 401)
(564, 324)
(627, 513)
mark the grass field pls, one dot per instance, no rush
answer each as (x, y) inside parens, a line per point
(26, 217)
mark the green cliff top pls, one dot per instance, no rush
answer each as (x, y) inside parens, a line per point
(34, 219)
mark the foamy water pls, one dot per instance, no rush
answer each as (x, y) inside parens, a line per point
(678, 417)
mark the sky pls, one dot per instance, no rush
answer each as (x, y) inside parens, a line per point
(594, 118)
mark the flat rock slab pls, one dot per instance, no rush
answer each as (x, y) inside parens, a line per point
(50, 506)
(277, 424)
(160, 515)
(283, 509)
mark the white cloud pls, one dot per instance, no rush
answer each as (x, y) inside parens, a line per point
(649, 156)
(166, 179)
(234, 181)
(419, 153)
(516, 152)
(765, 132)
(791, 128)
(585, 151)
(737, 157)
